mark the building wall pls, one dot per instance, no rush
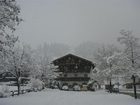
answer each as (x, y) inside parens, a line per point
(74, 75)
(70, 84)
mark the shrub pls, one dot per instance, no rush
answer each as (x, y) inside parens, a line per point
(65, 87)
(76, 88)
(4, 91)
(36, 84)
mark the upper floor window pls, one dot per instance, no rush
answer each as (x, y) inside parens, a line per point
(76, 66)
(85, 75)
(65, 75)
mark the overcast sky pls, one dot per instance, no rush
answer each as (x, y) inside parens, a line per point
(75, 21)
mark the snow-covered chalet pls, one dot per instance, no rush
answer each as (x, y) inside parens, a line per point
(73, 71)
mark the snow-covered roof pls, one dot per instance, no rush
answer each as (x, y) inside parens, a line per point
(71, 55)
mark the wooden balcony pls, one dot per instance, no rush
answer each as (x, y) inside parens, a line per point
(73, 78)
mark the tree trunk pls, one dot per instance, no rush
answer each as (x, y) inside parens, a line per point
(134, 86)
(18, 86)
(132, 56)
(110, 86)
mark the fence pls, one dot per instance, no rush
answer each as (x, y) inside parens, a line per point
(15, 92)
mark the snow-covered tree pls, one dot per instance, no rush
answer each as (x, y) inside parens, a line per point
(41, 66)
(102, 55)
(131, 50)
(104, 62)
(9, 19)
(17, 63)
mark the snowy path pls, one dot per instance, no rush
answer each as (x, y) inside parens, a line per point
(57, 97)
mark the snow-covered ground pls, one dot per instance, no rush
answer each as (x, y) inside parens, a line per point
(57, 97)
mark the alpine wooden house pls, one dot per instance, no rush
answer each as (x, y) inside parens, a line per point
(73, 71)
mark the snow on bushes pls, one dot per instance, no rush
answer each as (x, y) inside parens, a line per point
(4, 91)
(36, 84)
(76, 88)
(65, 87)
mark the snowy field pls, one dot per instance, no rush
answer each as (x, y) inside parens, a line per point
(57, 97)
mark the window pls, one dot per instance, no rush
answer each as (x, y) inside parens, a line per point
(69, 58)
(65, 75)
(76, 66)
(85, 75)
(79, 61)
(65, 68)
(75, 75)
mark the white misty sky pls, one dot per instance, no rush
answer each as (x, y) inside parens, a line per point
(75, 21)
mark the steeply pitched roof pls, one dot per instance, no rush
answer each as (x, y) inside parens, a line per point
(71, 55)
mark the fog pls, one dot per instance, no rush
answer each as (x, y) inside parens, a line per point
(73, 22)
